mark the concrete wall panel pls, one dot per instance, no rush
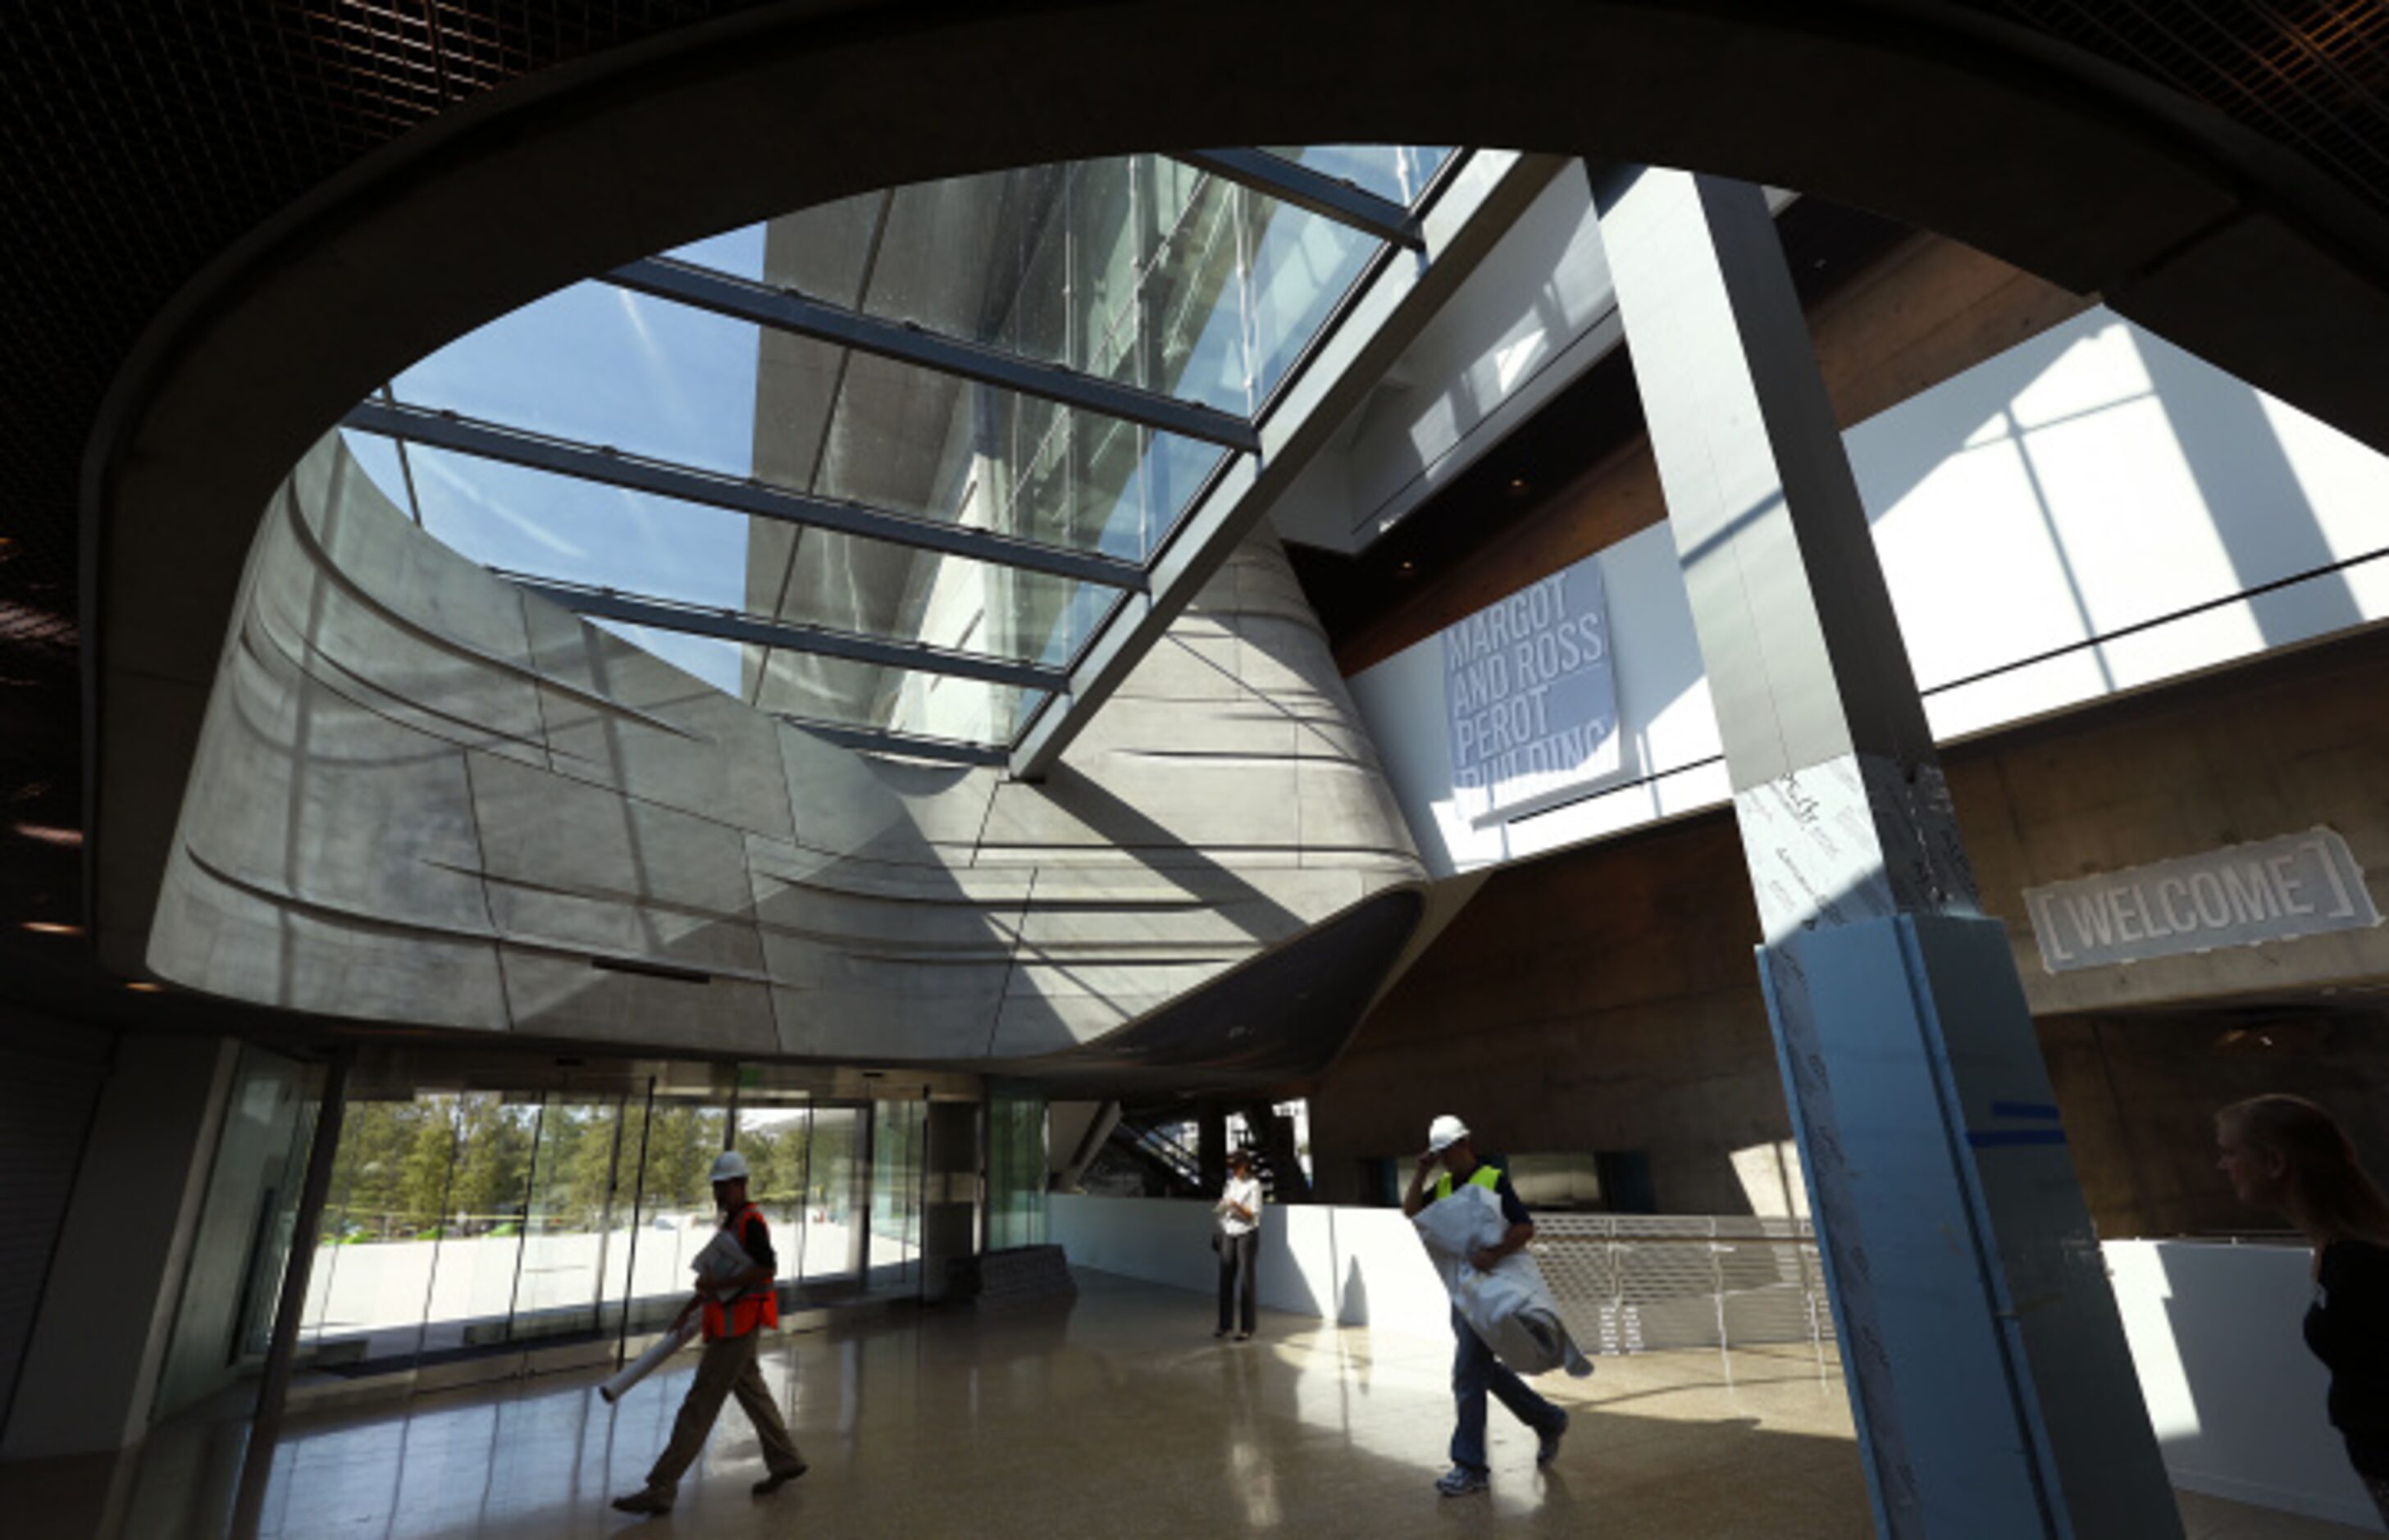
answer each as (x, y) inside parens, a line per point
(685, 746)
(424, 797)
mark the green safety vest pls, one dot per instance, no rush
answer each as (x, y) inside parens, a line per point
(1485, 1176)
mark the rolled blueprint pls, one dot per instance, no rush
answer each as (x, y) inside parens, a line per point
(646, 1363)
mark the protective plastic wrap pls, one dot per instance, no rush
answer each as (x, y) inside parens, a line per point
(1510, 1307)
(647, 1363)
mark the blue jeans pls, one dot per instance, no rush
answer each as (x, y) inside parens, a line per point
(1475, 1370)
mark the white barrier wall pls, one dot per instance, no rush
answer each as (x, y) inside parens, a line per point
(2235, 1399)
(2091, 511)
(1362, 1267)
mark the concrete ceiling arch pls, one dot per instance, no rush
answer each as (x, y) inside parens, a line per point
(1931, 113)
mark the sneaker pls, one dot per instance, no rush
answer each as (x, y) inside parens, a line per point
(1460, 1481)
(778, 1479)
(643, 1501)
(1546, 1443)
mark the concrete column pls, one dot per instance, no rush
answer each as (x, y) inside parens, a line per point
(1988, 1375)
(91, 1369)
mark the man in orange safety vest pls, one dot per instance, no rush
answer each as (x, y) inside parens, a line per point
(728, 1367)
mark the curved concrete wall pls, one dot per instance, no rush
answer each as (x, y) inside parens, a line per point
(424, 797)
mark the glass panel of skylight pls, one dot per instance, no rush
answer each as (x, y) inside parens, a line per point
(379, 458)
(559, 527)
(874, 588)
(916, 442)
(601, 365)
(711, 658)
(1395, 173)
(737, 252)
(565, 529)
(1123, 268)
(848, 694)
(1302, 266)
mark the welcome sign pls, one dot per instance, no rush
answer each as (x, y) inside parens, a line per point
(2273, 890)
(1532, 695)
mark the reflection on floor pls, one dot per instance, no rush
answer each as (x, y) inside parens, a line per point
(1120, 1415)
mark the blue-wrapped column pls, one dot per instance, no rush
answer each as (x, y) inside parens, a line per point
(1990, 1379)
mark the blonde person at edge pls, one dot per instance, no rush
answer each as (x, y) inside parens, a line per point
(2285, 1154)
(1239, 1209)
(728, 1366)
(1475, 1370)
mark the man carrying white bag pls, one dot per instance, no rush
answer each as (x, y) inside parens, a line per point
(1503, 1316)
(722, 1258)
(736, 1302)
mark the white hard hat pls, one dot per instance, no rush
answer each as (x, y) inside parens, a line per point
(1445, 1132)
(730, 1167)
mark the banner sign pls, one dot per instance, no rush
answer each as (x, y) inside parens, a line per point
(2273, 890)
(1532, 697)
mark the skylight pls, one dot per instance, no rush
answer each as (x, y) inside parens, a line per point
(886, 466)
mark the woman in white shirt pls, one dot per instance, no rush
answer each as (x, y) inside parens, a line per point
(1239, 1209)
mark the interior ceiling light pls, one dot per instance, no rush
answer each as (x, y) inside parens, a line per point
(48, 834)
(142, 986)
(52, 927)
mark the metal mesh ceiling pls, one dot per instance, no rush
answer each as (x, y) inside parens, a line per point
(2312, 75)
(145, 138)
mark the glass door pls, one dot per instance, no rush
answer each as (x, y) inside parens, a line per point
(675, 1215)
(894, 1256)
(576, 1205)
(837, 1195)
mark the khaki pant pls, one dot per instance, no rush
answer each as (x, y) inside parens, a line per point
(728, 1369)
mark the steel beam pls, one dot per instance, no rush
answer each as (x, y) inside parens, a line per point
(734, 626)
(1328, 196)
(609, 467)
(873, 740)
(787, 310)
(1393, 303)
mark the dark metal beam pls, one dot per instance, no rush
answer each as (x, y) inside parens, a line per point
(1328, 196)
(733, 625)
(612, 468)
(787, 310)
(878, 741)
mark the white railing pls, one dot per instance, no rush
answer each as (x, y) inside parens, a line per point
(1624, 1283)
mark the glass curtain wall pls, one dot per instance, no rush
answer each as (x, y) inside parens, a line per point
(479, 1246)
(578, 1217)
(898, 1129)
(835, 1195)
(777, 1143)
(1015, 1172)
(371, 1283)
(233, 1278)
(457, 1221)
(676, 1215)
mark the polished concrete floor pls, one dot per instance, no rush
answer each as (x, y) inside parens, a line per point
(1118, 1415)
